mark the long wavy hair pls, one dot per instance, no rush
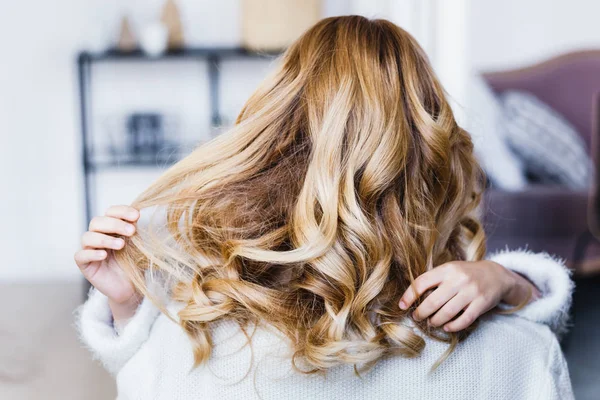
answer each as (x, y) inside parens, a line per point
(344, 178)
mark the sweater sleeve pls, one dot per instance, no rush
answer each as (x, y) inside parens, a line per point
(113, 349)
(551, 277)
(557, 384)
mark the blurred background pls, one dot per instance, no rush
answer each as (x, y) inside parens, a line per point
(98, 97)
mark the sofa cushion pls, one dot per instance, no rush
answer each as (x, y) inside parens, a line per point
(551, 148)
(483, 122)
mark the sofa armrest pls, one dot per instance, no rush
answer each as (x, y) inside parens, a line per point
(537, 211)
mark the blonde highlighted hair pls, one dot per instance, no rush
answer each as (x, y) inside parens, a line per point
(344, 178)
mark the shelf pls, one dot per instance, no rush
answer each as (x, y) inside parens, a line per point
(167, 155)
(104, 161)
(190, 52)
(107, 165)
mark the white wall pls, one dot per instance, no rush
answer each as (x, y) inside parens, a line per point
(40, 213)
(512, 33)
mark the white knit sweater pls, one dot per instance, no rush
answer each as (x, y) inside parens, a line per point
(507, 357)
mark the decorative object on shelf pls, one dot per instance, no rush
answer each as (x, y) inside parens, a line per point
(171, 18)
(153, 39)
(145, 133)
(139, 138)
(127, 40)
(271, 25)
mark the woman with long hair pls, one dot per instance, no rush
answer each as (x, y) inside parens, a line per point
(327, 246)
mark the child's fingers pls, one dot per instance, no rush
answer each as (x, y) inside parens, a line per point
(451, 309)
(101, 241)
(86, 256)
(127, 213)
(111, 225)
(435, 301)
(423, 283)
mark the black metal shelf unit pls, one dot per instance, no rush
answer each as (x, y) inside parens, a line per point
(85, 60)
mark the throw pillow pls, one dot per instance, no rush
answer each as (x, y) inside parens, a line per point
(483, 122)
(550, 147)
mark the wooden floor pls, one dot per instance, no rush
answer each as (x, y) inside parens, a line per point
(40, 356)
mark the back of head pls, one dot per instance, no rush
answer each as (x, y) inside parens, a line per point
(344, 178)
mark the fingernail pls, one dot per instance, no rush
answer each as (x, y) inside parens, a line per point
(402, 305)
(446, 329)
(119, 242)
(100, 253)
(415, 317)
(130, 229)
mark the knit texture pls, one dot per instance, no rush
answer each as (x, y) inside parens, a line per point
(507, 357)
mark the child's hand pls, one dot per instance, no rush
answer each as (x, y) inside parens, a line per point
(475, 287)
(98, 265)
